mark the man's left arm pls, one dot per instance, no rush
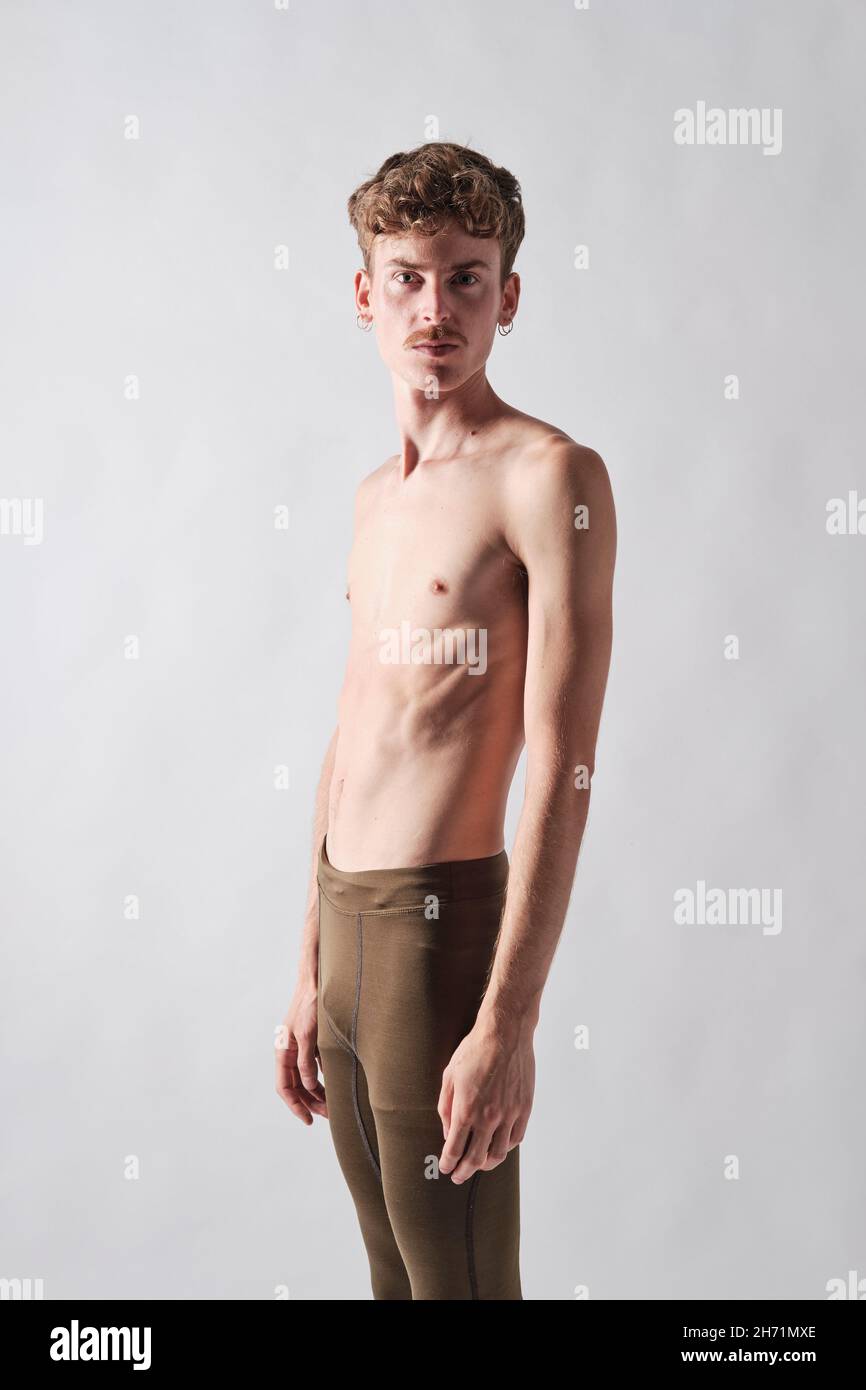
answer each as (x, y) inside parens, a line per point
(562, 526)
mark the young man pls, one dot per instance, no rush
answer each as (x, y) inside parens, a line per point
(480, 582)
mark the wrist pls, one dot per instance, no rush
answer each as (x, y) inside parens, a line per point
(507, 1019)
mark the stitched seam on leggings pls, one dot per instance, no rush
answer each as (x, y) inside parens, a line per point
(349, 1047)
(355, 1059)
(413, 907)
(336, 1032)
(470, 1237)
(355, 1105)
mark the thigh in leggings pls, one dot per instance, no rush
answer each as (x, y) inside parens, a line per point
(404, 957)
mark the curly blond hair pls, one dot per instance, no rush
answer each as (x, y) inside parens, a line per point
(420, 190)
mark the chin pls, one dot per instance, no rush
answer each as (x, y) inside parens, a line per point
(447, 374)
(420, 379)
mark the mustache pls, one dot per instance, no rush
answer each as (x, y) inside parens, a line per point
(434, 335)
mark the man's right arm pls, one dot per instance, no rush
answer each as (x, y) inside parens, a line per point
(297, 1075)
(308, 967)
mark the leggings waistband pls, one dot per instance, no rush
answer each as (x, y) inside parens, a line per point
(371, 890)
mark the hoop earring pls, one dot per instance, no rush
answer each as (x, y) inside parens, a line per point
(365, 326)
(505, 331)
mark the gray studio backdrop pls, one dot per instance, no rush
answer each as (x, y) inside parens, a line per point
(180, 360)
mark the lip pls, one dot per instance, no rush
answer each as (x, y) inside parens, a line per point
(435, 349)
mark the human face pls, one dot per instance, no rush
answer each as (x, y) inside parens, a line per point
(435, 303)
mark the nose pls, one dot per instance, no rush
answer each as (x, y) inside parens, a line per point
(435, 306)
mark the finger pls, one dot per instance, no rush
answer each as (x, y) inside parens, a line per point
(499, 1147)
(518, 1130)
(294, 1099)
(317, 1104)
(290, 1088)
(322, 1092)
(452, 1151)
(443, 1106)
(473, 1159)
(301, 1103)
(308, 1072)
(285, 1056)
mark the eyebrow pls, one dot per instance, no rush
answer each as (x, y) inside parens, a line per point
(460, 265)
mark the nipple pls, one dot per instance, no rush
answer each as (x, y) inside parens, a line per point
(439, 586)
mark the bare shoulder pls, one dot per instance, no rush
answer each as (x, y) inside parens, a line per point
(549, 474)
(538, 450)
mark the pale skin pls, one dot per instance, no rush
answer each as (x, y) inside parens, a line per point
(470, 526)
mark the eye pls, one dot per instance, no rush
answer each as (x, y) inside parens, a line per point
(471, 275)
(403, 272)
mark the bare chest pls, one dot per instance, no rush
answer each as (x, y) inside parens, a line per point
(431, 563)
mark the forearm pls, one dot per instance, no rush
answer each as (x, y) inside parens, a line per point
(541, 874)
(308, 967)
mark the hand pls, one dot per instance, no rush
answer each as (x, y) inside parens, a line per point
(296, 1057)
(486, 1099)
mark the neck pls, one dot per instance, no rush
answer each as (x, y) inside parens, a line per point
(442, 428)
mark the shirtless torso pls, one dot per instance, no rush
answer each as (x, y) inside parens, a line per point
(426, 750)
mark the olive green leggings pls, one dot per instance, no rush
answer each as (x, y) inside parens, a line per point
(404, 956)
